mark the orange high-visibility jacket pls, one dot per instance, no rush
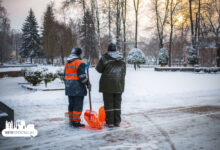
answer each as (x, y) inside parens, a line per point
(71, 70)
(75, 78)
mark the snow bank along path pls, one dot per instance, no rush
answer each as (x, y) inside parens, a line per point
(144, 88)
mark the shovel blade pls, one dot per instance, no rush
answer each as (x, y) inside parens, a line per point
(102, 115)
(91, 118)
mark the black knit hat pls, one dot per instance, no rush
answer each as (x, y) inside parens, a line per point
(76, 51)
(111, 47)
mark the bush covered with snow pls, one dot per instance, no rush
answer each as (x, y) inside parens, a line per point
(192, 55)
(136, 57)
(48, 76)
(60, 75)
(163, 56)
(207, 69)
(33, 76)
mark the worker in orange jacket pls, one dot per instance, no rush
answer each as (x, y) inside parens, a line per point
(76, 82)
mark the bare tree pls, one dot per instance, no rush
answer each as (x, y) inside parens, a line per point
(191, 23)
(136, 8)
(4, 35)
(48, 34)
(108, 12)
(109, 19)
(161, 18)
(16, 41)
(68, 3)
(118, 23)
(64, 40)
(97, 20)
(212, 13)
(124, 15)
(195, 23)
(173, 6)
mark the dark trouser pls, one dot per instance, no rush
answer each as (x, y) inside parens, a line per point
(75, 108)
(112, 105)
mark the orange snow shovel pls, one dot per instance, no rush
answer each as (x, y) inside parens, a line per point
(102, 115)
(91, 116)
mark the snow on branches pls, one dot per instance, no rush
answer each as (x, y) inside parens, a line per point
(30, 47)
(136, 57)
(192, 55)
(163, 56)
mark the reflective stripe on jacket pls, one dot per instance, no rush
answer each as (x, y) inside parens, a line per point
(74, 116)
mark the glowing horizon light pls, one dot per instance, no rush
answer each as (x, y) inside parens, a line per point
(180, 18)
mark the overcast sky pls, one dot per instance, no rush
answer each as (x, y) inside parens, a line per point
(18, 10)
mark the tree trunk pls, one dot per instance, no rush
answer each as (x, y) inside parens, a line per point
(199, 20)
(62, 55)
(94, 6)
(198, 33)
(160, 23)
(1, 56)
(191, 22)
(118, 24)
(136, 6)
(98, 28)
(136, 32)
(45, 84)
(124, 27)
(138, 65)
(135, 66)
(109, 21)
(171, 32)
(218, 50)
(84, 14)
(161, 42)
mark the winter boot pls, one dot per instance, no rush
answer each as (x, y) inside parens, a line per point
(109, 125)
(117, 124)
(77, 125)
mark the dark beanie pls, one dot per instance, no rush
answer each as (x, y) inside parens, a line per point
(76, 51)
(111, 47)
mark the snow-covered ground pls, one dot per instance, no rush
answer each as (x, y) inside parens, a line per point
(160, 110)
(10, 69)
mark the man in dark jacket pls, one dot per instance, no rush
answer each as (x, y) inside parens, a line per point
(75, 86)
(113, 70)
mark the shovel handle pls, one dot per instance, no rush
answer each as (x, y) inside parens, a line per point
(90, 101)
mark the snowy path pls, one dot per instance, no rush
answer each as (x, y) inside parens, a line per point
(176, 128)
(160, 110)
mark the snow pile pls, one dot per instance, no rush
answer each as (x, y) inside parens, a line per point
(163, 56)
(136, 56)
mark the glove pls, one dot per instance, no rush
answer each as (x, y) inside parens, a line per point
(89, 86)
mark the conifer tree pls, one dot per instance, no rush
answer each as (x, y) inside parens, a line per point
(88, 39)
(30, 47)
